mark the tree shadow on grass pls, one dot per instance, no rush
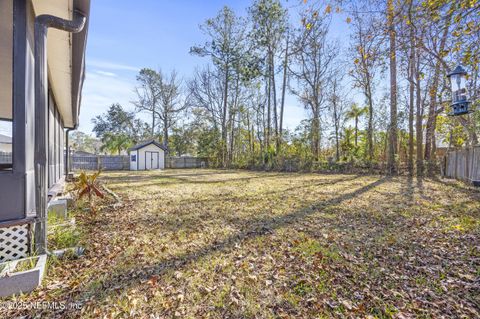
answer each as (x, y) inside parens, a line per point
(133, 176)
(164, 180)
(469, 190)
(132, 277)
(409, 188)
(257, 194)
(188, 223)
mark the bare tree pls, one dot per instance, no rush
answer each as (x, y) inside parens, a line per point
(366, 46)
(337, 109)
(284, 89)
(269, 20)
(206, 91)
(225, 46)
(148, 95)
(314, 58)
(171, 100)
(436, 49)
(160, 95)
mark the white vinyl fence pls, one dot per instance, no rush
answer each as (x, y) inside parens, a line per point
(96, 162)
(463, 164)
(122, 162)
(186, 162)
(5, 158)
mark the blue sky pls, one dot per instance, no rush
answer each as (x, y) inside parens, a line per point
(125, 36)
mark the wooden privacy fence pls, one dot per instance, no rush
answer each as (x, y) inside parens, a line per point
(463, 164)
(96, 162)
(185, 162)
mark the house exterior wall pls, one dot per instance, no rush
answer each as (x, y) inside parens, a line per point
(17, 186)
(150, 148)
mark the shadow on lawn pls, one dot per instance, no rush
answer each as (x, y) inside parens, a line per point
(173, 225)
(163, 180)
(469, 190)
(259, 227)
(409, 189)
(257, 195)
(133, 176)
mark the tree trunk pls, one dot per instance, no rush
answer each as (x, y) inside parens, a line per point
(165, 134)
(274, 98)
(335, 121)
(356, 130)
(250, 134)
(337, 142)
(232, 113)
(284, 88)
(232, 141)
(368, 95)
(224, 117)
(370, 120)
(391, 167)
(153, 125)
(315, 134)
(269, 108)
(419, 117)
(432, 110)
(411, 71)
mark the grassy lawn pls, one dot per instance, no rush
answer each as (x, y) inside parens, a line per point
(238, 244)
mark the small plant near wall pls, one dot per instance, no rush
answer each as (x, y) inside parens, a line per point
(88, 186)
(26, 264)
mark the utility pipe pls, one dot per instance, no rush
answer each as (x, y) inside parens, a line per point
(42, 24)
(67, 148)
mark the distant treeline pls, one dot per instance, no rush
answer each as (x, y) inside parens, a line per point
(396, 57)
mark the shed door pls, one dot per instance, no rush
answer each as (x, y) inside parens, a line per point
(151, 160)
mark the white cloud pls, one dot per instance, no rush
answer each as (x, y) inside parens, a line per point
(111, 74)
(101, 64)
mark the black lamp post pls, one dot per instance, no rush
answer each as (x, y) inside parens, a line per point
(458, 82)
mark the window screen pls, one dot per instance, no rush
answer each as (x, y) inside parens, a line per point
(6, 78)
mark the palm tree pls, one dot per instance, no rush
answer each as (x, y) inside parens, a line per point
(355, 113)
(116, 143)
(346, 142)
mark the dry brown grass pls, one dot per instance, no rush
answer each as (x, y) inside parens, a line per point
(238, 244)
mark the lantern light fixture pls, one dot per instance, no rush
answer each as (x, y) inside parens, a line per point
(458, 82)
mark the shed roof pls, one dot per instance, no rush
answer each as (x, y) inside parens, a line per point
(146, 143)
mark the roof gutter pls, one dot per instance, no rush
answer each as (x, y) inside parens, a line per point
(42, 24)
(79, 44)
